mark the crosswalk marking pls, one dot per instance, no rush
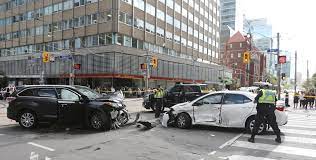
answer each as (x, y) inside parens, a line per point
(276, 148)
(289, 139)
(300, 126)
(241, 157)
(298, 131)
(1, 134)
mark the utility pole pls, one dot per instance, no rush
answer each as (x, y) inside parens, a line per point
(279, 66)
(307, 70)
(147, 71)
(295, 80)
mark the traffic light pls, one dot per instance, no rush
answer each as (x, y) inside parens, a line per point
(154, 62)
(45, 57)
(143, 66)
(246, 57)
(283, 76)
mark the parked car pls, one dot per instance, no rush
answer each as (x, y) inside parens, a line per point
(234, 109)
(179, 93)
(68, 105)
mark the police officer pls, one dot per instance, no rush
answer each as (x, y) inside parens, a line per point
(159, 101)
(265, 99)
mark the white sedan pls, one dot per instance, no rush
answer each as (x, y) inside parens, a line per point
(224, 109)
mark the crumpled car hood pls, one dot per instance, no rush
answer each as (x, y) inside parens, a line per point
(182, 106)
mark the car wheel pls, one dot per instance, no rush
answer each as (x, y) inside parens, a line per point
(184, 121)
(251, 123)
(27, 119)
(98, 122)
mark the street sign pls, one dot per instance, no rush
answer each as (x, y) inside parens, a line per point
(282, 59)
(272, 50)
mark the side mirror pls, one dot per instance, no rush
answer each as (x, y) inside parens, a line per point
(204, 102)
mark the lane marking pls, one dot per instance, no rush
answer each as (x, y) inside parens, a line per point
(40, 146)
(298, 131)
(211, 153)
(241, 157)
(230, 141)
(288, 139)
(276, 148)
(1, 134)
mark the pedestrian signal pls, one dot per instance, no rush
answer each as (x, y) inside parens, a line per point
(246, 57)
(45, 57)
(154, 62)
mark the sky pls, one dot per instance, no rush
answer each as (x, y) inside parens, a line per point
(296, 23)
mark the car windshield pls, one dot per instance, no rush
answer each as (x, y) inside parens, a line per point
(91, 94)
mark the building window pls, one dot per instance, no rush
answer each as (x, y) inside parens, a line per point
(170, 3)
(240, 45)
(127, 1)
(127, 41)
(169, 19)
(177, 8)
(150, 9)
(232, 55)
(138, 23)
(160, 15)
(139, 4)
(184, 13)
(230, 45)
(239, 55)
(150, 28)
(177, 23)
(106, 16)
(160, 32)
(169, 35)
(134, 43)
(125, 18)
(119, 39)
(109, 38)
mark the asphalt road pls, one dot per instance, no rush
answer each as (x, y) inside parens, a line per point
(159, 143)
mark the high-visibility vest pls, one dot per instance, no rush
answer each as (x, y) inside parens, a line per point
(159, 94)
(268, 96)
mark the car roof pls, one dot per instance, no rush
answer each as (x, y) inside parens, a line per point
(248, 94)
(38, 86)
(190, 84)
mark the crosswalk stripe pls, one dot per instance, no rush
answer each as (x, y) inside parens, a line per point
(289, 139)
(300, 126)
(276, 148)
(242, 157)
(298, 131)
(1, 134)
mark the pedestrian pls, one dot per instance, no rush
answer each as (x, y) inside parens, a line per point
(158, 95)
(266, 100)
(287, 99)
(139, 92)
(301, 100)
(296, 98)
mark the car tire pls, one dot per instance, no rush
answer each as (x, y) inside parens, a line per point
(99, 122)
(183, 121)
(27, 119)
(250, 124)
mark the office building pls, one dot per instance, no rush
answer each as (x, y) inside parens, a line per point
(108, 40)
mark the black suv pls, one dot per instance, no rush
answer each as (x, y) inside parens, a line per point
(68, 105)
(179, 93)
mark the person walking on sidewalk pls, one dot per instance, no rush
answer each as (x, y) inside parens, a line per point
(296, 98)
(266, 100)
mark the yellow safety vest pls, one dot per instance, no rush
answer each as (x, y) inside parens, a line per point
(268, 96)
(159, 94)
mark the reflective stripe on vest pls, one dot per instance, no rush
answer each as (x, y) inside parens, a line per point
(268, 96)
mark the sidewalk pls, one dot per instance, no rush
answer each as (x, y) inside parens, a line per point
(3, 115)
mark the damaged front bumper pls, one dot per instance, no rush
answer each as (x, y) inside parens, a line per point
(168, 118)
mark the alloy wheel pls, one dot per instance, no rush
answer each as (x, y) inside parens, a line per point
(96, 122)
(261, 127)
(181, 121)
(27, 120)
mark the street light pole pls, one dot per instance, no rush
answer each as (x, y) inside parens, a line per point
(279, 66)
(295, 80)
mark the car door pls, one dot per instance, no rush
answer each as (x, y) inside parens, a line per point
(173, 96)
(71, 109)
(207, 109)
(47, 100)
(235, 109)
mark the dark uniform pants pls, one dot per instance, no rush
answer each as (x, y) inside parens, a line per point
(159, 107)
(266, 112)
